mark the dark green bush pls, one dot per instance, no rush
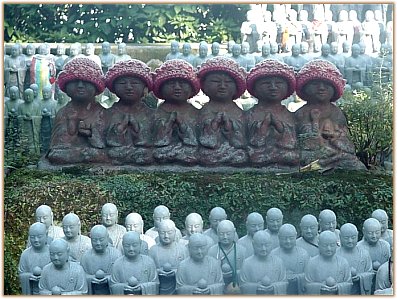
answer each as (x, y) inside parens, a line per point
(352, 195)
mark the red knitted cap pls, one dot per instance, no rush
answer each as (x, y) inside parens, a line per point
(133, 68)
(229, 66)
(320, 70)
(82, 69)
(272, 68)
(173, 69)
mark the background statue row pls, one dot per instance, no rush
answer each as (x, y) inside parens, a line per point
(220, 134)
(123, 260)
(287, 26)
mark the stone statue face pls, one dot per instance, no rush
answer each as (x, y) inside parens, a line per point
(47, 93)
(14, 51)
(383, 219)
(309, 229)
(105, 48)
(28, 96)
(254, 223)
(60, 50)
(134, 224)
(265, 50)
(348, 238)
(274, 222)
(129, 89)
(167, 234)
(74, 50)
(334, 48)
(159, 215)
(193, 225)
(80, 90)
(327, 246)
(226, 233)
(215, 49)
(216, 216)
(273, 48)
(174, 47)
(30, 50)
(203, 51)
(176, 90)
(236, 50)
(245, 47)
(271, 89)
(219, 86)
(287, 239)
(38, 236)
(186, 49)
(35, 89)
(325, 50)
(43, 50)
(295, 50)
(14, 93)
(99, 240)
(230, 45)
(320, 91)
(89, 49)
(131, 245)
(262, 246)
(59, 253)
(198, 249)
(304, 48)
(44, 215)
(109, 215)
(372, 232)
(355, 50)
(71, 227)
(121, 49)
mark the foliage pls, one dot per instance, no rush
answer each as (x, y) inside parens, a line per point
(370, 120)
(352, 195)
(139, 23)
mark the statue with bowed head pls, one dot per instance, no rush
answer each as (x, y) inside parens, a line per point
(217, 215)
(56, 276)
(230, 254)
(167, 255)
(60, 58)
(328, 273)
(98, 261)
(378, 249)
(29, 116)
(262, 273)
(215, 47)
(30, 52)
(321, 125)
(221, 121)
(175, 139)
(253, 224)
(271, 127)
(130, 120)
(265, 53)
(199, 274)
(295, 60)
(74, 52)
(358, 259)
(109, 215)
(203, 55)
(246, 54)
(294, 258)
(133, 273)
(78, 244)
(237, 57)
(78, 134)
(386, 233)
(33, 259)
(134, 222)
(160, 213)
(309, 235)
(274, 220)
(37, 96)
(107, 58)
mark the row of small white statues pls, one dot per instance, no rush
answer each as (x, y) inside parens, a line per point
(288, 26)
(122, 260)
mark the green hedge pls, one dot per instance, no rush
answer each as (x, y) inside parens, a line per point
(352, 195)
